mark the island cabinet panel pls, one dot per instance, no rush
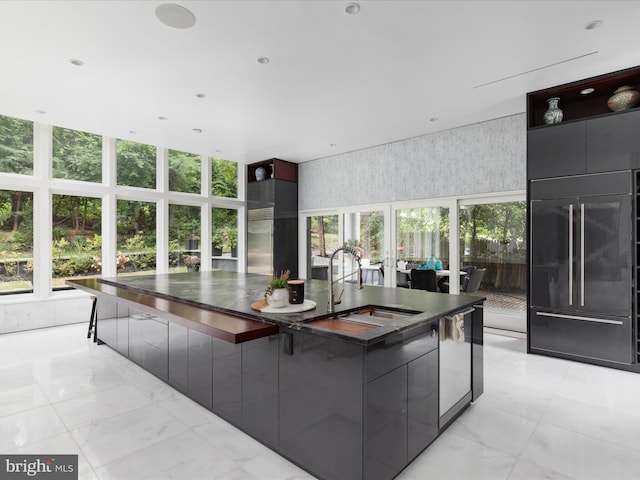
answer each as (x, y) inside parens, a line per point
(386, 425)
(422, 403)
(401, 375)
(260, 389)
(149, 342)
(114, 328)
(321, 406)
(399, 349)
(200, 368)
(108, 332)
(122, 329)
(227, 380)
(179, 357)
(477, 351)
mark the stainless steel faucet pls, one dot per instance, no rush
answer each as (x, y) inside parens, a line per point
(331, 304)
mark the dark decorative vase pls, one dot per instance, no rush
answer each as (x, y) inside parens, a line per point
(193, 268)
(623, 98)
(553, 114)
(216, 252)
(234, 252)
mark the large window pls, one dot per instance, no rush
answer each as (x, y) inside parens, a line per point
(76, 238)
(322, 241)
(136, 164)
(77, 155)
(224, 178)
(16, 146)
(224, 238)
(16, 241)
(184, 235)
(423, 233)
(365, 230)
(77, 221)
(184, 172)
(136, 230)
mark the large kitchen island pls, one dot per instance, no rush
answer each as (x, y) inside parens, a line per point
(341, 402)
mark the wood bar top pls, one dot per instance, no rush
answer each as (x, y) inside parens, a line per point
(231, 328)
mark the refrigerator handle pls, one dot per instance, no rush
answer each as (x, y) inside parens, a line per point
(570, 254)
(582, 254)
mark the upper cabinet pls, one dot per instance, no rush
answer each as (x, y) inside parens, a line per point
(556, 152)
(591, 138)
(613, 142)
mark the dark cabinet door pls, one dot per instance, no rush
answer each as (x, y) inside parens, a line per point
(556, 151)
(227, 380)
(200, 370)
(108, 330)
(604, 262)
(321, 405)
(477, 351)
(588, 337)
(581, 254)
(613, 143)
(260, 388)
(552, 253)
(178, 356)
(386, 425)
(149, 343)
(422, 403)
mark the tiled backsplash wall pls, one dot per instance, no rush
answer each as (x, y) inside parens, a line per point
(481, 158)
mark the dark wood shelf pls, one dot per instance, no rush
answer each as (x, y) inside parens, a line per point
(576, 106)
(276, 168)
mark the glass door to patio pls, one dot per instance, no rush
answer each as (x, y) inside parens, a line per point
(493, 240)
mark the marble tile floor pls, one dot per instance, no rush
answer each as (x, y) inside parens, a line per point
(539, 418)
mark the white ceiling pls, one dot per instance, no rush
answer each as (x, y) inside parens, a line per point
(335, 82)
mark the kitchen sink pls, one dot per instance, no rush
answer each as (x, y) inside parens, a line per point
(360, 321)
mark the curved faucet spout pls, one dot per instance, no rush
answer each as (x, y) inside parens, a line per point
(332, 301)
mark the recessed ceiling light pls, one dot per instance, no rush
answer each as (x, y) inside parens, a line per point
(587, 91)
(76, 62)
(132, 131)
(352, 8)
(218, 151)
(201, 95)
(593, 24)
(332, 144)
(40, 111)
(433, 119)
(175, 16)
(162, 118)
(197, 130)
(263, 60)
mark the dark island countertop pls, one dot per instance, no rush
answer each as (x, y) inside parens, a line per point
(192, 295)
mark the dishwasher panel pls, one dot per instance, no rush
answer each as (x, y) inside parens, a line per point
(455, 359)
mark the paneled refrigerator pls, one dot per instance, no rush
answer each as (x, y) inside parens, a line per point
(581, 266)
